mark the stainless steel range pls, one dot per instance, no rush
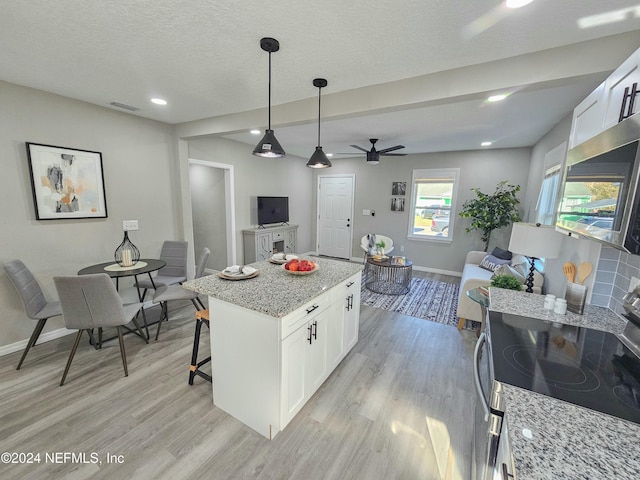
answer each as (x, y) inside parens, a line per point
(586, 367)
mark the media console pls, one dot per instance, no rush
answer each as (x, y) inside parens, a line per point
(262, 242)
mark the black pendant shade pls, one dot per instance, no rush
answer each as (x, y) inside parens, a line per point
(269, 146)
(319, 159)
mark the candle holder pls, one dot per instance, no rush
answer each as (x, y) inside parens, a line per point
(127, 254)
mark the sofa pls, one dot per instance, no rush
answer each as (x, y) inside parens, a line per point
(474, 275)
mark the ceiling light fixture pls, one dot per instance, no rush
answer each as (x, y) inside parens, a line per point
(497, 98)
(486, 144)
(516, 3)
(269, 146)
(319, 159)
(158, 101)
(254, 132)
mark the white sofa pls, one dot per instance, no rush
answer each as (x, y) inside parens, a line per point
(474, 276)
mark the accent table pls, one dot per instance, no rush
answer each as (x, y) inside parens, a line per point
(386, 277)
(477, 296)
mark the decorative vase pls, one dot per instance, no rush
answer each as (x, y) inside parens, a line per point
(127, 254)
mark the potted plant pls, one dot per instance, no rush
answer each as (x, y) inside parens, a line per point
(490, 212)
(380, 246)
(510, 282)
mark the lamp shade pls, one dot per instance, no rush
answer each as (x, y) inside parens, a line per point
(318, 159)
(269, 146)
(535, 240)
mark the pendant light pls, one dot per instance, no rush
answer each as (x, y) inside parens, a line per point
(269, 145)
(319, 159)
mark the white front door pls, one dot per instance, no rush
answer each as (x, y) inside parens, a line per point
(335, 215)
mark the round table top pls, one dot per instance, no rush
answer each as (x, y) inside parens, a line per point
(152, 265)
(388, 262)
(478, 296)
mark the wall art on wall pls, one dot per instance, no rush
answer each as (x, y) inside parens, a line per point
(67, 183)
(397, 204)
(398, 188)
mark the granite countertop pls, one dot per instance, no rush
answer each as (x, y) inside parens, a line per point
(275, 292)
(567, 441)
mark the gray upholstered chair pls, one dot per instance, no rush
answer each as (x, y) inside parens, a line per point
(167, 293)
(174, 252)
(35, 305)
(92, 301)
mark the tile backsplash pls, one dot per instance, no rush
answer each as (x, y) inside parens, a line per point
(613, 277)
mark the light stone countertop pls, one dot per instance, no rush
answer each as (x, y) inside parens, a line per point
(569, 441)
(274, 291)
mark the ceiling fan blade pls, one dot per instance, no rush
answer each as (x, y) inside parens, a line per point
(360, 148)
(391, 149)
(394, 154)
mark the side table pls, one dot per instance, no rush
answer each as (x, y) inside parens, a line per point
(386, 277)
(481, 298)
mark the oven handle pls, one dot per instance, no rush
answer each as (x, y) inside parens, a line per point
(476, 374)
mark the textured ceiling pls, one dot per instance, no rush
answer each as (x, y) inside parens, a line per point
(203, 57)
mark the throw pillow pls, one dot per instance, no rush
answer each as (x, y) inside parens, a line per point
(500, 253)
(509, 270)
(491, 263)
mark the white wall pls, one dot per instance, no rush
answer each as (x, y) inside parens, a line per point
(140, 182)
(483, 169)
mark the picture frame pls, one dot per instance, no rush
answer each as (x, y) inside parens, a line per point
(67, 183)
(397, 204)
(398, 188)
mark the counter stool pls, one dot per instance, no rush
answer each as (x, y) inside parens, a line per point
(202, 316)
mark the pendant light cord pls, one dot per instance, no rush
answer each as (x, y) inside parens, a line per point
(319, 95)
(269, 90)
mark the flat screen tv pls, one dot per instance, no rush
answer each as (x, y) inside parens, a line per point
(273, 210)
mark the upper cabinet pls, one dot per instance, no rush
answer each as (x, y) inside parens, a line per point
(601, 109)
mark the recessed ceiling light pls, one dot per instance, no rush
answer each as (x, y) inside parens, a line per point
(158, 101)
(516, 3)
(497, 98)
(329, 154)
(256, 132)
(486, 144)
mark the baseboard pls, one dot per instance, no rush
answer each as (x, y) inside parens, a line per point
(437, 270)
(45, 337)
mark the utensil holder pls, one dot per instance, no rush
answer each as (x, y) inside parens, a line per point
(576, 297)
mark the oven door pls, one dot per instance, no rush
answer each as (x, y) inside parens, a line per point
(487, 423)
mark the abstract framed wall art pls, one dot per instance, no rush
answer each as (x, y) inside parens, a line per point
(67, 183)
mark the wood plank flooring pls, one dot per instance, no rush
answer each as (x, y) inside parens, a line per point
(400, 406)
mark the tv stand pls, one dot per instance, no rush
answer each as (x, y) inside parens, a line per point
(262, 242)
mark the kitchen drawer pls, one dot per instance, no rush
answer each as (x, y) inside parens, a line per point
(278, 235)
(302, 315)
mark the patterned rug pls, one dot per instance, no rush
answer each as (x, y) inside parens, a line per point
(427, 299)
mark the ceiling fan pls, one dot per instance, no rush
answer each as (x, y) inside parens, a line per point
(373, 155)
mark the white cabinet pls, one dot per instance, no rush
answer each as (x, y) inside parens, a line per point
(261, 243)
(623, 77)
(265, 368)
(601, 109)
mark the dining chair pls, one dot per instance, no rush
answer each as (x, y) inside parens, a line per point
(35, 305)
(174, 253)
(167, 293)
(90, 302)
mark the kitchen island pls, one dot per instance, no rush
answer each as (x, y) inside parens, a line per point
(275, 338)
(553, 439)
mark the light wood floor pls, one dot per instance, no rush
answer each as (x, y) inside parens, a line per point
(400, 406)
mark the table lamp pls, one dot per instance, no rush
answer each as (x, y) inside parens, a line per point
(535, 241)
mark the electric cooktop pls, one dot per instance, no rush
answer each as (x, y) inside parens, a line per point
(586, 367)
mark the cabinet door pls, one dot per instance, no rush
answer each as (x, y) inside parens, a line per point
(316, 361)
(588, 117)
(624, 76)
(294, 353)
(290, 240)
(351, 314)
(335, 333)
(264, 246)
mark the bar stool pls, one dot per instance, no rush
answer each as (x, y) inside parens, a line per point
(202, 316)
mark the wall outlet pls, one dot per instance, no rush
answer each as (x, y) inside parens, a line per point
(128, 225)
(635, 282)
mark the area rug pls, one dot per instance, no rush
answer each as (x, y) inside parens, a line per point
(427, 299)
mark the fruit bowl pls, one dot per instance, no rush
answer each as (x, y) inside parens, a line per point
(301, 272)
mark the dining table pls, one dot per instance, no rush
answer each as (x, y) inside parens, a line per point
(144, 266)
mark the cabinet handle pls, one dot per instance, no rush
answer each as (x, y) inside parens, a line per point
(349, 284)
(310, 328)
(505, 472)
(311, 309)
(315, 329)
(351, 302)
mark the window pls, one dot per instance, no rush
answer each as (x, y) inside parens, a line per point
(545, 210)
(433, 195)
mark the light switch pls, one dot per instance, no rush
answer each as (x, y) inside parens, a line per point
(366, 212)
(128, 225)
